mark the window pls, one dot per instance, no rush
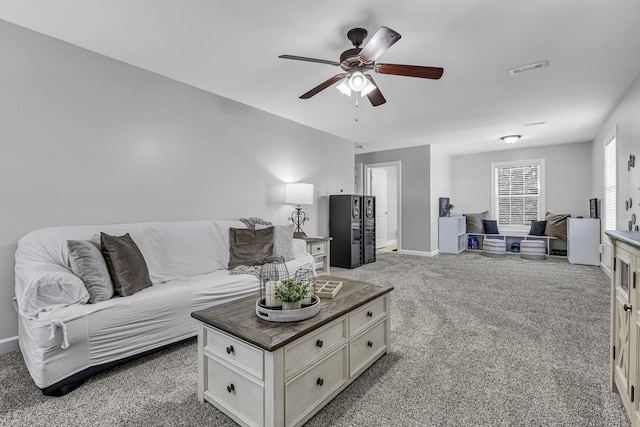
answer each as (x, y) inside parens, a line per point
(610, 181)
(517, 193)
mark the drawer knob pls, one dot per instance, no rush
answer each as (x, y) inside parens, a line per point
(369, 343)
(230, 349)
(230, 388)
(319, 343)
(369, 314)
(320, 382)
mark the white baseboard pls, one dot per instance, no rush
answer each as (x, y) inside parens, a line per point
(606, 270)
(418, 253)
(9, 344)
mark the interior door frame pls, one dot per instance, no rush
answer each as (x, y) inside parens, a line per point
(367, 190)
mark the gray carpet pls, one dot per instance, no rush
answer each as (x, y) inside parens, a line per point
(476, 341)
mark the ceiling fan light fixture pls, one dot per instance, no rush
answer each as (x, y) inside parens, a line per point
(510, 139)
(357, 81)
(344, 86)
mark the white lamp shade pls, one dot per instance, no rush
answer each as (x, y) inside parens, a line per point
(298, 193)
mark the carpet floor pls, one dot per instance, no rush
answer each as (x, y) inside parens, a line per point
(476, 341)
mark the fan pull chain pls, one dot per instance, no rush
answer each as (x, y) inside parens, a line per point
(357, 106)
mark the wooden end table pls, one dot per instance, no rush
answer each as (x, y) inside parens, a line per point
(264, 373)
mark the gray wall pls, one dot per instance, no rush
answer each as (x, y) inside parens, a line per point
(89, 140)
(567, 177)
(441, 186)
(415, 225)
(626, 118)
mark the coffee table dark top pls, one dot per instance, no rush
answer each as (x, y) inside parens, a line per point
(239, 318)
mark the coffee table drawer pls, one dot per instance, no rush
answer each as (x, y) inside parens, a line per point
(317, 343)
(234, 351)
(309, 389)
(235, 392)
(368, 314)
(366, 347)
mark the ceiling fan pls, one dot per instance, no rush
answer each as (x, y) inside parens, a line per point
(357, 61)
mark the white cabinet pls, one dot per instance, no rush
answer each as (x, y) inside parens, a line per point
(625, 321)
(287, 386)
(583, 241)
(452, 234)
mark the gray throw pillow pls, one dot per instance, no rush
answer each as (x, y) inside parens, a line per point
(127, 266)
(282, 240)
(253, 221)
(556, 225)
(474, 222)
(86, 262)
(537, 228)
(249, 247)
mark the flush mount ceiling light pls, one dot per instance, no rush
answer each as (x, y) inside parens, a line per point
(510, 139)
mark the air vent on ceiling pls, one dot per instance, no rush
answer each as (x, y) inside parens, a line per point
(531, 67)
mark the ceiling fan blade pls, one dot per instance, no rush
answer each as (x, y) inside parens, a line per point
(375, 96)
(304, 58)
(409, 70)
(323, 85)
(377, 44)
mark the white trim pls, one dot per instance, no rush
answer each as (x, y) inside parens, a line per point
(9, 344)
(542, 197)
(419, 253)
(606, 270)
(398, 164)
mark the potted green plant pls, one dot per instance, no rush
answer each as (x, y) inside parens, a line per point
(448, 208)
(291, 293)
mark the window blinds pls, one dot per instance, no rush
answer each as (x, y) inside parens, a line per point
(610, 185)
(518, 191)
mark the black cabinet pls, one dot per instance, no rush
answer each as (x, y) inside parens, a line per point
(352, 227)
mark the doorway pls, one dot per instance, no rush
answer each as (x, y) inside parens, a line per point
(382, 180)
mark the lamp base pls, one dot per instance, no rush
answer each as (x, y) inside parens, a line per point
(299, 235)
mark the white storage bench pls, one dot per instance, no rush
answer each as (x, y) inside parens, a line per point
(511, 236)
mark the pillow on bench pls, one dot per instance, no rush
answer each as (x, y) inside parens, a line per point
(490, 226)
(474, 222)
(537, 228)
(556, 225)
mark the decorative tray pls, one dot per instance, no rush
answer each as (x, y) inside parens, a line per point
(327, 288)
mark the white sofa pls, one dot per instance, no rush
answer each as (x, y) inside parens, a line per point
(63, 339)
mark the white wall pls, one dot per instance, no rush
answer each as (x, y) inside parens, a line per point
(441, 186)
(567, 171)
(626, 117)
(392, 202)
(415, 225)
(89, 140)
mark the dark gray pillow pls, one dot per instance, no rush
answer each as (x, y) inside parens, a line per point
(249, 247)
(556, 225)
(474, 222)
(537, 228)
(490, 226)
(86, 262)
(126, 264)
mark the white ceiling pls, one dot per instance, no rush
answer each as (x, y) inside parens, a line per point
(231, 48)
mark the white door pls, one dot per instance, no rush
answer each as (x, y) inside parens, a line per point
(379, 190)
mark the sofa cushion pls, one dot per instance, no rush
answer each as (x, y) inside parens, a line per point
(474, 222)
(556, 225)
(490, 226)
(282, 240)
(537, 228)
(126, 264)
(87, 262)
(249, 247)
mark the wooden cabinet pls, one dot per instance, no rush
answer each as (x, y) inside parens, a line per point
(625, 321)
(287, 385)
(320, 249)
(452, 234)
